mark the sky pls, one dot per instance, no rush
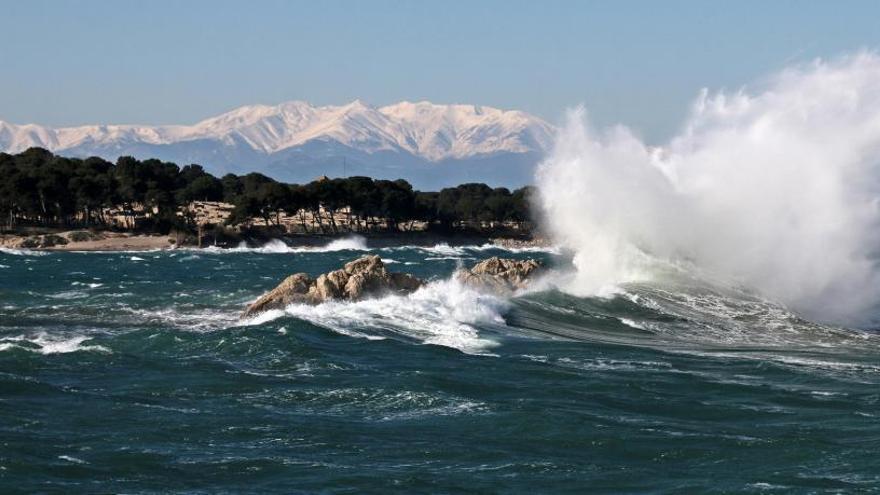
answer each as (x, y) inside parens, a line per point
(68, 62)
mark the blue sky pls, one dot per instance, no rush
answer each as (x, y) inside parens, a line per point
(638, 63)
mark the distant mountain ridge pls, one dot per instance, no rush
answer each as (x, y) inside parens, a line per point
(429, 144)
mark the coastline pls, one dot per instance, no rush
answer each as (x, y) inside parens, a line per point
(80, 240)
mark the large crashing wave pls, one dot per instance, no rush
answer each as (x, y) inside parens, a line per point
(776, 189)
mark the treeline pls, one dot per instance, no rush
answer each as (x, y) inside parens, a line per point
(38, 188)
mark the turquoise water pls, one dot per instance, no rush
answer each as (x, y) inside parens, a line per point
(131, 372)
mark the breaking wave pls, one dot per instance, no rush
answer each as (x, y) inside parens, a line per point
(44, 343)
(441, 313)
(445, 251)
(277, 246)
(22, 252)
(776, 189)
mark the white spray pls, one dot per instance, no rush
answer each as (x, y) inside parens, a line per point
(778, 190)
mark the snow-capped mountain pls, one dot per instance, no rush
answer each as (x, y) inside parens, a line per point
(431, 145)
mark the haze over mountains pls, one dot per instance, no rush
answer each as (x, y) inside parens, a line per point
(430, 145)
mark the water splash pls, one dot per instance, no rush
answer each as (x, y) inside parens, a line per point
(777, 189)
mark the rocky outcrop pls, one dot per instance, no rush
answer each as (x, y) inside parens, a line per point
(358, 279)
(42, 241)
(500, 275)
(367, 276)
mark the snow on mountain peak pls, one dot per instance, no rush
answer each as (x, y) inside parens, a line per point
(424, 129)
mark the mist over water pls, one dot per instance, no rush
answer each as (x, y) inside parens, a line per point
(775, 188)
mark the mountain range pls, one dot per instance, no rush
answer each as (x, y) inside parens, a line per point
(428, 144)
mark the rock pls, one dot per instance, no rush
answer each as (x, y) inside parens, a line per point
(326, 288)
(365, 264)
(358, 279)
(500, 275)
(42, 241)
(294, 289)
(405, 282)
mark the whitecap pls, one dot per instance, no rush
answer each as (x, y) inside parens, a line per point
(70, 294)
(22, 252)
(441, 313)
(44, 343)
(351, 243)
(91, 285)
(632, 323)
(277, 246)
(524, 249)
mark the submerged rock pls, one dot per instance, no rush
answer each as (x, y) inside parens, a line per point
(500, 275)
(358, 279)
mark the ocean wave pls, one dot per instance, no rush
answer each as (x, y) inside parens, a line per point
(729, 317)
(689, 315)
(376, 404)
(22, 252)
(601, 364)
(444, 250)
(277, 246)
(44, 343)
(68, 294)
(442, 313)
(359, 243)
(525, 249)
(91, 285)
(194, 320)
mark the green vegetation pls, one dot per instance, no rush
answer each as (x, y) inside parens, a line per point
(40, 189)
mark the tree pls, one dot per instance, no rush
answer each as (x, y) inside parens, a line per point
(131, 186)
(203, 188)
(499, 205)
(232, 187)
(39, 188)
(93, 189)
(398, 201)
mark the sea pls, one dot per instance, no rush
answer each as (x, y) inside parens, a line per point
(132, 372)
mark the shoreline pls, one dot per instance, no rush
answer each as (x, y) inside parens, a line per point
(79, 240)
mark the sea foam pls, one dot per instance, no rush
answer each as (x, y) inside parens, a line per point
(442, 313)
